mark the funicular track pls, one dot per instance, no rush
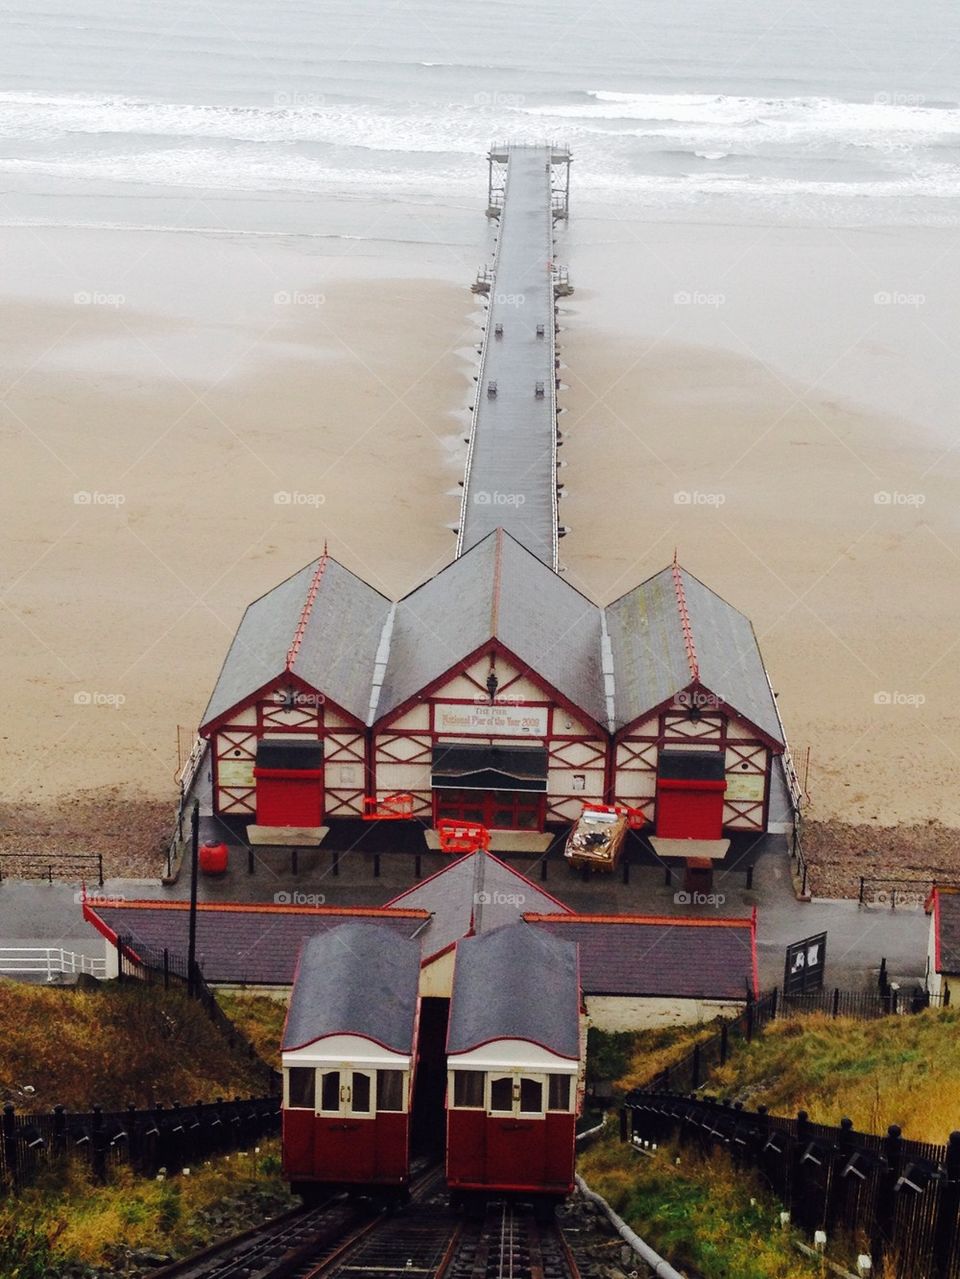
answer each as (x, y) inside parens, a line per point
(348, 1239)
(512, 1244)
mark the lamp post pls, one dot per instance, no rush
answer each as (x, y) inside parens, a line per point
(194, 858)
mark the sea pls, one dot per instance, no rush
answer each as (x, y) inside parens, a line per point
(252, 117)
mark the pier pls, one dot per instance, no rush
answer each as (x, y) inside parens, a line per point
(510, 479)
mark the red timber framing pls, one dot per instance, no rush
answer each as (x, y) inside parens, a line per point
(696, 718)
(576, 746)
(287, 705)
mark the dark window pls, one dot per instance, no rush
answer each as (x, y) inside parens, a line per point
(389, 1090)
(330, 1090)
(559, 1096)
(301, 1088)
(468, 1088)
(360, 1102)
(531, 1097)
(501, 1094)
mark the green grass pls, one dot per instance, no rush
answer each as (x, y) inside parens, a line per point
(261, 1019)
(113, 1044)
(706, 1215)
(896, 1070)
(630, 1058)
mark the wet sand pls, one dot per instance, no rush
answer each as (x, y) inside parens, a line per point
(183, 421)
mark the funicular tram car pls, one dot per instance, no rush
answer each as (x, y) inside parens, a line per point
(514, 1063)
(348, 1053)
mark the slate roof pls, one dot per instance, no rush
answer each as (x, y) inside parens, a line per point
(497, 590)
(653, 660)
(450, 896)
(515, 982)
(324, 624)
(674, 958)
(947, 916)
(355, 979)
(327, 626)
(258, 945)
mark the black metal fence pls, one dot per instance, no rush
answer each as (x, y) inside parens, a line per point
(168, 968)
(897, 1200)
(168, 1138)
(689, 1072)
(51, 866)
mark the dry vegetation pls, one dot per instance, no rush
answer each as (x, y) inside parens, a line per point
(903, 1070)
(116, 1045)
(630, 1058)
(261, 1019)
(68, 1222)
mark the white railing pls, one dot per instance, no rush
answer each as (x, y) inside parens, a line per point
(193, 764)
(48, 961)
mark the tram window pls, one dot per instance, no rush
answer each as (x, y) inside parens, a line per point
(301, 1087)
(501, 1094)
(559, 1097)
(389, 1090)
(330, 1091)
(468, 1089)
(360, 1099)
(531, 1096)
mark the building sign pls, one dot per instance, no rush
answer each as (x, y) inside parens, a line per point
(745, 786)
(501, 719)
(806, 961)
(235, 772)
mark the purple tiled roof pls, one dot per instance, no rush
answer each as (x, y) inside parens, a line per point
(255, 945)
(669, 958)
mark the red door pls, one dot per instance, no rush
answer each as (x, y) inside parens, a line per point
(289, 779)
(345, 1131)
(690, 790)
(516, 1132)
(289, 798)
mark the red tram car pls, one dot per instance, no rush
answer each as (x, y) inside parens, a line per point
(514, 1054)
(348, 1054)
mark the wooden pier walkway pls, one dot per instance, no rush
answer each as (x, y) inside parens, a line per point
(511, 473)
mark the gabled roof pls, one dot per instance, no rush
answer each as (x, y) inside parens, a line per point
(250, 944)
(478, 892)
(355, 979)
(515, 983)
(497, 590)
(671, 632)
(946, 925)
(323, 624)
(676, 958)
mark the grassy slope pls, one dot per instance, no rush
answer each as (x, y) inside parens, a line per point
(261, 1020)
(115, 1045)
(68, 1220)
(903, 1070)
(704, 1215)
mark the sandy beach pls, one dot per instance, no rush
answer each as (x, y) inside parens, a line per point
(147, 445)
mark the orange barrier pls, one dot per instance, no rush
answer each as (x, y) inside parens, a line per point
(392, 808)
(462, 837)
